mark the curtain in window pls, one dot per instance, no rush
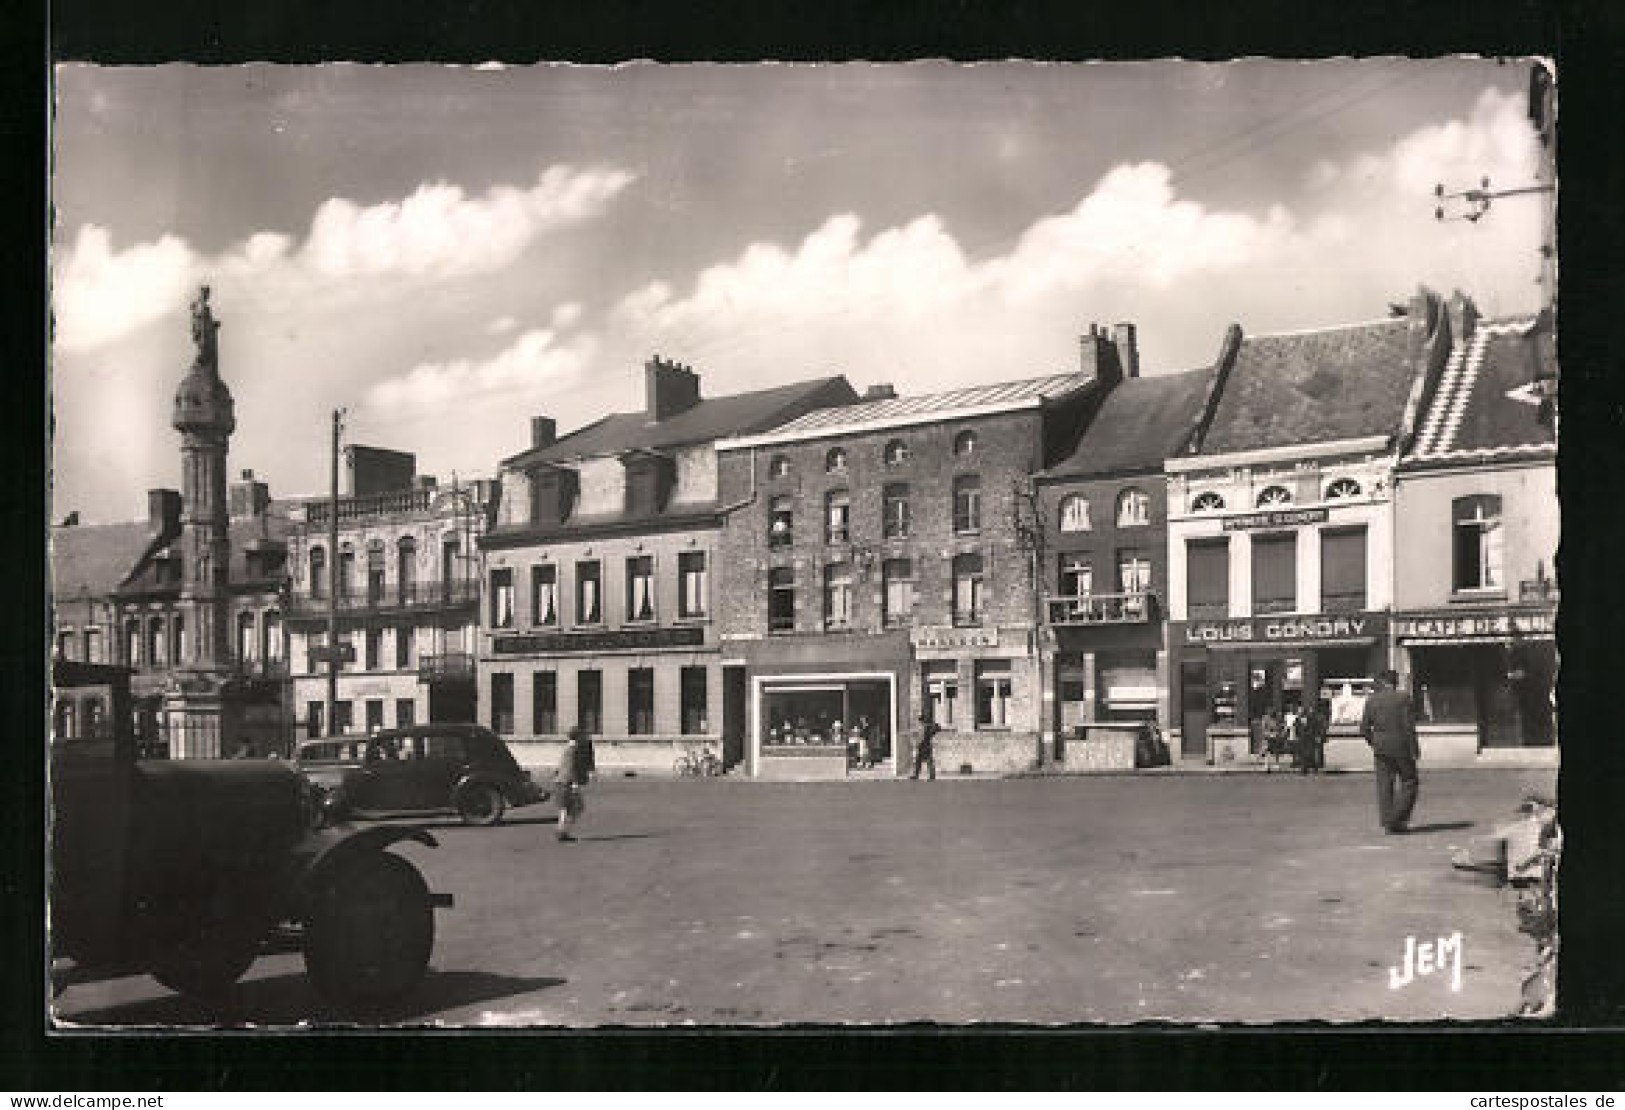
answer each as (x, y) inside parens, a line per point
(1342, 569)
(1275, 573)
(589, 600)
(642, 603)
(1134, 573)
(1207, 569)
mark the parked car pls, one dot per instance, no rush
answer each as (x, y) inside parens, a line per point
(184, 869)
(435, 768)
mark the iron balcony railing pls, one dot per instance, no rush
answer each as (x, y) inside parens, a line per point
(373, 506)
(1095, 609)
(417, 596)
(446, 665)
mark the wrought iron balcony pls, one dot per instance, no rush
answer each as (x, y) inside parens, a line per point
(372, 506)
(447, 665)
(1097, 609)
(415, 597)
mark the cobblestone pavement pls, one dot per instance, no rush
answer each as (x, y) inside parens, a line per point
(1185, 898)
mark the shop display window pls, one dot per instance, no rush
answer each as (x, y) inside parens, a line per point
(808, 716)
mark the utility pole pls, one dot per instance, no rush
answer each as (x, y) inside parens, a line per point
(333, 580)
(1029, 529)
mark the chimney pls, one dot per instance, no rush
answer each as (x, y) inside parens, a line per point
(670, 388)
(1097, 357)
(248, 498)
(880, 391)
(164, 511)
(1126, 340)
(544, 431)
(1463, 316)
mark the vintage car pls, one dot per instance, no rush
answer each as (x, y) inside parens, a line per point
(184, 869)
(432, 768)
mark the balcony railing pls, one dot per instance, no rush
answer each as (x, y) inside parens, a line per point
(373, 506)
(414, 597)
(447, 665)
(1096, 609)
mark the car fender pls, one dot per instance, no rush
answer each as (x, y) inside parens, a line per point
(323, 852)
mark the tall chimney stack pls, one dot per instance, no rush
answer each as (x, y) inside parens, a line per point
(1126, 340)
(670, 388)
(544, 431)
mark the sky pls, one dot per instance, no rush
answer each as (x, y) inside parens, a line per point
(445, 252)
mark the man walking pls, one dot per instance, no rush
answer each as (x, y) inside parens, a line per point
(575, 767)
(925, 754)
(1390, 729)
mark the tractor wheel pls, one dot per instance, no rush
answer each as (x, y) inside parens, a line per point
(481, 804)
(370, 932)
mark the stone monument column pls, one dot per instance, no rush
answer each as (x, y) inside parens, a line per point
(200, 720)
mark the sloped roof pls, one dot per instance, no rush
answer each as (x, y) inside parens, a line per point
(710, 419)
(1141, 423)
(894, 411)
(268, 530)
(1487, 404)
(90, 560)
(1314, 387)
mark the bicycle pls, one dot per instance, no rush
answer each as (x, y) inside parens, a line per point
(701, 764)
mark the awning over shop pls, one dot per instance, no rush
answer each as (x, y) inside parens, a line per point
(1459, 641)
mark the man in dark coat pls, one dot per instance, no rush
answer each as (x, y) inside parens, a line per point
(925, 755)
(1390, 729)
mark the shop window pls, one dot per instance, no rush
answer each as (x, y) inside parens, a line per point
(640, 588)
(965, 444)
(896, 453)
(406, 563)
(895, 512)
(640, 701)
(1275, 573)
(1342, 489)
(1274, 497)
(589, 601)
(1342, 569)
(318, 572)
(835, 461)
(405, 713)
(796, 717)
(993, 694)
(544, 703)
(898, 578)
(837, 516)
(692, 589)
(837, 595)
(374, 651)
(403, 647)
(692, 697)
(1207, 574)
(375, 714)
(942, 693)
(502, 704)
(590, 701)
(781, 522)
(1478, 542)
(1208, 502)
(967, 504)
(968, 596)
(1133, 508)
(1133, 572)
(247, 641)
(544, 595)
(502, 597)
(1074, 513)
(781, 600)
(1076, 577)
(778, 467)
(314, 711)
(375, 576)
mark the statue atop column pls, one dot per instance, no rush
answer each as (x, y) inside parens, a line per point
(204, 329)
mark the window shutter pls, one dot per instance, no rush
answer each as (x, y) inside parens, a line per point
(1275, 572)
(1208, 571)
(1342, 567)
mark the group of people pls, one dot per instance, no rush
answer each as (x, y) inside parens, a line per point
(1300, 734)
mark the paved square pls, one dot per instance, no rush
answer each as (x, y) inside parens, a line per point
(1238, 897)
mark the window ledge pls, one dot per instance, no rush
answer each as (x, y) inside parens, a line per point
(1479, 593)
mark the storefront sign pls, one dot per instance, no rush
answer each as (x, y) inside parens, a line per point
(1288, 629)
(1468, 626)
(941, 638)
(1277, 518)
(634, 639)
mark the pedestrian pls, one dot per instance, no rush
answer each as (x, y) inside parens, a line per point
(575, 768)
(1390, 729)
(925, 753)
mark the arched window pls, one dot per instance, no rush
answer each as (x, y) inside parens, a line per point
(1342, 488)
(1074, 513)
(1133, 508)
(781, 521)
(896, 453)
(1274, 497)
(1208, 502)
(406, 566)
(318, 572)
(835, 461)
(346, 571)
(965, 443)
(778, 467)
(375, 571)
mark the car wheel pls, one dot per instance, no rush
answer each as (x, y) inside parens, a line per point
(207, 968)
(481, 804)
(370, 932)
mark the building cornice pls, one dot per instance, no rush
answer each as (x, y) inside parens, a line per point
(1192, 463)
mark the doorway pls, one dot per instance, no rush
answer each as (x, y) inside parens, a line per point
(733, 716)
(1193, 709)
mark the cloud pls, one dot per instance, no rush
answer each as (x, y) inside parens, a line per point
(437, 234)
(533, 362)
(502, 325)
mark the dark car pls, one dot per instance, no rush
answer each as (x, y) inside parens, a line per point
(434, 768)
(186, 869)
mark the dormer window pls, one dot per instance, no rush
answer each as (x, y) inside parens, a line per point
(1208, 502)
(835, 461)
(1274, 497)
(1342, 489)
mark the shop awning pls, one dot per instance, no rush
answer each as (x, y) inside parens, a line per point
(1461, 641)
(1290, 645)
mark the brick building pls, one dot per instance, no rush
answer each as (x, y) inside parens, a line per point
(601, 575)
(1280, 527)
(1475, 496)
(1104, 510)
(407, 596)
(874, 569)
